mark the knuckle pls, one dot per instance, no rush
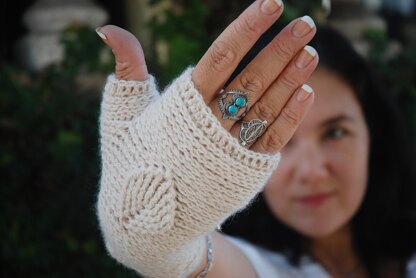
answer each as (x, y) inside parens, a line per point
(124, 70)
(123, 66)
(283, 50)
(288, 81)
(290, 117)
(252, 81)
(222, 55)
(264, 112)
(247, 25)
(272, 141)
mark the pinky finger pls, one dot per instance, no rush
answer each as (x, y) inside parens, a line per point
(282, 129)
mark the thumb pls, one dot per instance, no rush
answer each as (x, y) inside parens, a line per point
(130, 61)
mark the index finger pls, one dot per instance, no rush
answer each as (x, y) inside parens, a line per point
(221, 59)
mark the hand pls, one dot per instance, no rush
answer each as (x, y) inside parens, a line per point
(130, 61)
(273, 79)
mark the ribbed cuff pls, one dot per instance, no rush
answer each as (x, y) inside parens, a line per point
(122, 88)
(123, 100)
(214, 131)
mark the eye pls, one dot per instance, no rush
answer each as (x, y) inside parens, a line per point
(336, 133)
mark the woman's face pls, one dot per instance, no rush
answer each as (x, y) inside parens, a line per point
(322, 178)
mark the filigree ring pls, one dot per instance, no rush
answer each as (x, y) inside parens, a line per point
(251, 131)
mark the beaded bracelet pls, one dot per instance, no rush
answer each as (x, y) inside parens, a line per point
(207, 268)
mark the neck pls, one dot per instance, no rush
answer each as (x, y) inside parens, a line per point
(336, 253)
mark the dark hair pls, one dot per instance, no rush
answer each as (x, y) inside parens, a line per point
(384, 228)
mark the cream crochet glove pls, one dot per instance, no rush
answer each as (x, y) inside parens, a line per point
(170, 174)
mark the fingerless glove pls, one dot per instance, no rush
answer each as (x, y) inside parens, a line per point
(170, 174)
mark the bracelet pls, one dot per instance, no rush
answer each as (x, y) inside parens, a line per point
(207, 268)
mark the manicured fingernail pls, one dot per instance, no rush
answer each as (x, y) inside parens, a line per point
(305, 57)
(270, 6)
(304, 93)
(303, 26)
(102, 36)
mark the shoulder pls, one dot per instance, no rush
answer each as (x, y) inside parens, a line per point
(272, 264)
(411, 266)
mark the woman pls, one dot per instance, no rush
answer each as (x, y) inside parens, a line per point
(344, 147)
(177, 165)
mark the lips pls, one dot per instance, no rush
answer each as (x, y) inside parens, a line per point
(315, 200)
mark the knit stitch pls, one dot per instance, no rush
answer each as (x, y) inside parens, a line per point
(170, 174)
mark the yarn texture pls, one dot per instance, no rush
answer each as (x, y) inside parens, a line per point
(170, 174)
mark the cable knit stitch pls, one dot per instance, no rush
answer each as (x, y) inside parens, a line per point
(170, 174)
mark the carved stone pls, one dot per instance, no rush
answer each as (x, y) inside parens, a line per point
(46, 19)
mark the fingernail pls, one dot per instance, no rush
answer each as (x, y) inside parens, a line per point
(305, 57)
(270, 6)
(303, 26)
(102, 36)
(304, 93)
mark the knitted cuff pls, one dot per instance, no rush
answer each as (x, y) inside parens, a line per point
(123, 100)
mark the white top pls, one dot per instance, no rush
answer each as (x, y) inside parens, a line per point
(269, 264)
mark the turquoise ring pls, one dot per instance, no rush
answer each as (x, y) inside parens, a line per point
(232, 102)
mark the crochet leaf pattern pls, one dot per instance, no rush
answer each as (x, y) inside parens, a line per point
(148, 202)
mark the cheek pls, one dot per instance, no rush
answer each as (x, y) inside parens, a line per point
(276, 191)
(350, 170)
(280, 175)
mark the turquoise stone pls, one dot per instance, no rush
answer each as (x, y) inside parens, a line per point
(240, 102)
(233, 109)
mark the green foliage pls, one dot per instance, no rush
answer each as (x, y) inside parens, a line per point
(49, 167)
(82, 45)
(186, 35)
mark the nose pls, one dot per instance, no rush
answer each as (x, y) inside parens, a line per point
(312, 165)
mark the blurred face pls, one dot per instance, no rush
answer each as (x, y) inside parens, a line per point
(321, 180)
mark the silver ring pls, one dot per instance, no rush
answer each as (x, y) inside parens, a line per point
(251, 131)
(230, 108)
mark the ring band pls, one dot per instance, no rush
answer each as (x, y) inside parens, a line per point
(251, 131)
(231, 108)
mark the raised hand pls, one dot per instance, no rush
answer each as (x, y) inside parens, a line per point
(273, 79)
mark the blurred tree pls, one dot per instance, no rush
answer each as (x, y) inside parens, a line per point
(49, 166)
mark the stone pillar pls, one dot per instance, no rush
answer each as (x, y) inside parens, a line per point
(46, 20)
(139, 13)
(353, 17)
